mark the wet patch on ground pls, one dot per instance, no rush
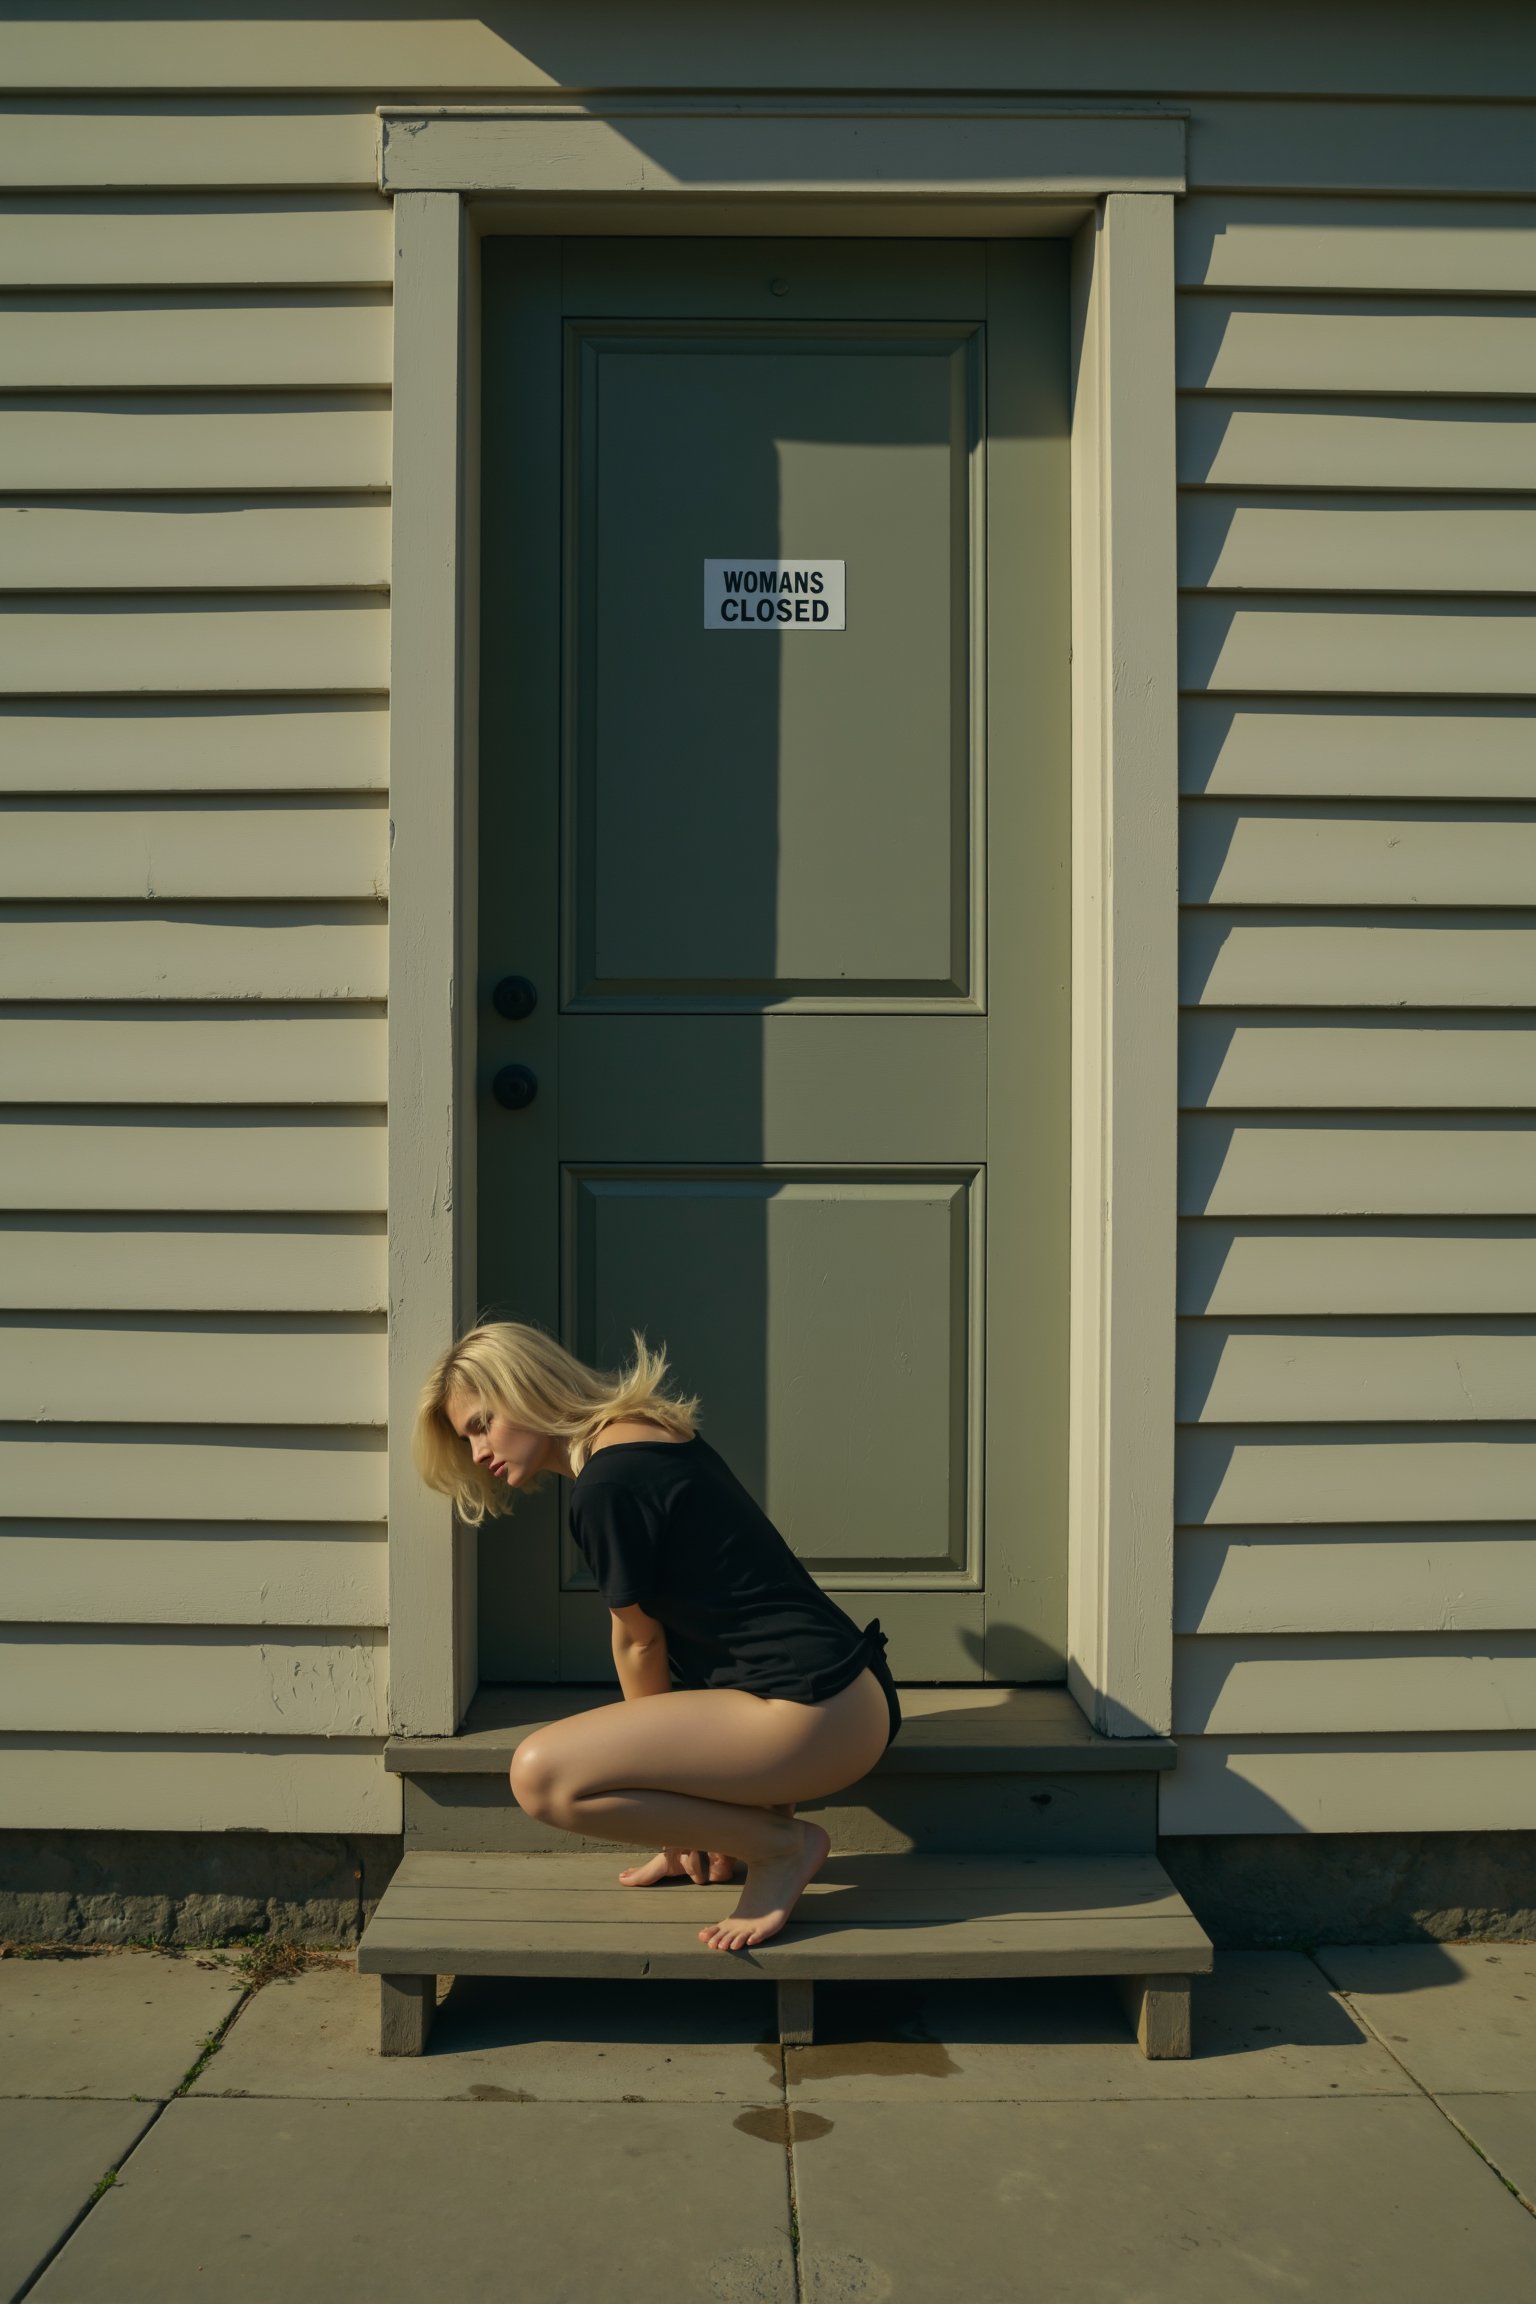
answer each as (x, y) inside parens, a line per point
(870, 2031)
(781, 2124)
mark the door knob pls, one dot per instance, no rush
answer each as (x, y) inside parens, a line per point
(515, 1086)
(515, 998)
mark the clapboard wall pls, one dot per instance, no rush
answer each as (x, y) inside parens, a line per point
(194, 555)
(1355, 1624)
(195, 353)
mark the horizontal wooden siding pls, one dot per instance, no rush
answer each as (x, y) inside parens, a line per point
(195, 361)
(194, 459)
(1355, 1623)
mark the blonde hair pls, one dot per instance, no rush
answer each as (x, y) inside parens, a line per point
(510, 1366)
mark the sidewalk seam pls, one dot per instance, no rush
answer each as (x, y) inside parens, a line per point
(1428, 2093)
(117, 2166)
(796, 2269)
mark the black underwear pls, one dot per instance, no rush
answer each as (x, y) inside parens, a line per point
(882, 1673)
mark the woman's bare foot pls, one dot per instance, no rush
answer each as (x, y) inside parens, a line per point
(770, 1895)
(667, 1864)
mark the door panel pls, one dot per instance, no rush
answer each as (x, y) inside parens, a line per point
(769, 814)
(801, 1109)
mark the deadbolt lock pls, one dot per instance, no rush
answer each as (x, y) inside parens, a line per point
(515, 1086)
(514, 998)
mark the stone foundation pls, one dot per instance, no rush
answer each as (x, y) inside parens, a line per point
(1356, 1887)
(186, 1887)
(1244, 1888)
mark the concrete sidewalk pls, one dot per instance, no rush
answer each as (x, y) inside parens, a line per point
(1356, 2124)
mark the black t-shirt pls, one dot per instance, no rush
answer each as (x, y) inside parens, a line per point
(665, 1525)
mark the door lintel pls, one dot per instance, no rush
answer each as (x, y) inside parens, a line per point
(812, 154)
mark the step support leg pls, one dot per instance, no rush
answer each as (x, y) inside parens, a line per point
(796, 2011)
(1157, 2008)
(407, 2005)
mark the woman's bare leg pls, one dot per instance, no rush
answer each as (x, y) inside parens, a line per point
(781, 1855)
(708, 1768)
(709, 1864)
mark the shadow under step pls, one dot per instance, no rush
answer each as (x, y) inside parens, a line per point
(455, 1913)
(1008, 1770)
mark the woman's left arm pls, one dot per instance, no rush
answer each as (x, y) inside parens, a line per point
(640, 1657)
(640, 1653)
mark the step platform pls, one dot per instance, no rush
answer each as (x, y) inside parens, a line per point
(866, 1916)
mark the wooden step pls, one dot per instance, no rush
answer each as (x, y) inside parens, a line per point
(994, 1730)
(1014, 1770)
(456, 1912)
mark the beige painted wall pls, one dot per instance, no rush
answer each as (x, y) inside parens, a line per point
(194, 463)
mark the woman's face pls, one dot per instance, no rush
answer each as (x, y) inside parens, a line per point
(510, 1452)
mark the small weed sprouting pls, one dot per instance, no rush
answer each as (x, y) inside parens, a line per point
(266, 1958)
(257, 1958)
(212, 2043)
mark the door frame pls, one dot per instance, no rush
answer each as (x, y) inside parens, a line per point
(1107, 180)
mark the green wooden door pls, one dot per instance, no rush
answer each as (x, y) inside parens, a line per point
(794, 902)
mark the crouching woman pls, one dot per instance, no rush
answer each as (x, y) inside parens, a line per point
(746, 1689)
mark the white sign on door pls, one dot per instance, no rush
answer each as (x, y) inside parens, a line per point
(768, 595)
